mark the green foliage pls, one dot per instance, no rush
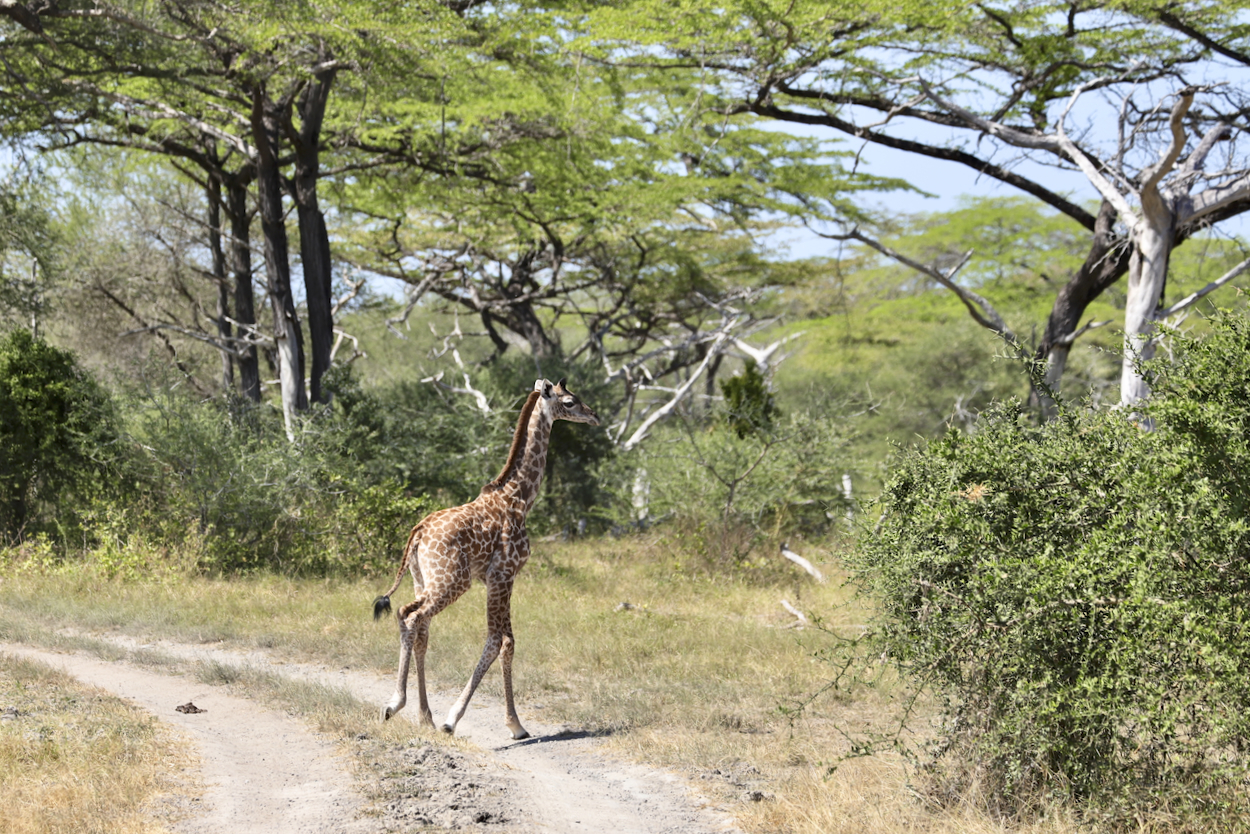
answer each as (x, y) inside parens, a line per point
(414, 434)
(749, 406)
(1077, 593)
(224, 485)
(57, 438)
(27, 247)
(722, 497)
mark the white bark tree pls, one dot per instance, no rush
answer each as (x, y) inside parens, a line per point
(1154, 200)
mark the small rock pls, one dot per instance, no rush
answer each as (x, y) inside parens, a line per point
(189, 708)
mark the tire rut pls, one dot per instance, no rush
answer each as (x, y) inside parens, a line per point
(560, 781)
(264, 772)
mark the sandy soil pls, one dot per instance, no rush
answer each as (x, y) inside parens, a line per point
(263, 771)
(267, 772)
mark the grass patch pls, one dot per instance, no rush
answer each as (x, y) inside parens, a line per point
(693, 675)
(74, 759)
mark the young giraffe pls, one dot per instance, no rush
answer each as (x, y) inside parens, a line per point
(485, 540)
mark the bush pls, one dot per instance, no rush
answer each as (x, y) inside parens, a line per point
(58, 438)
(221, 482)
(442, 444)
(721, 496)
(1078, 595)
(413, 434)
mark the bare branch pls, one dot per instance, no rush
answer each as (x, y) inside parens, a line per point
(1108, 191)
(978, 307)
(1153, 175)
(414, 296)
(1076, 334)
(801, 562)
(482, 402)
(663, 411)
(1213, 200)
(1189, 300)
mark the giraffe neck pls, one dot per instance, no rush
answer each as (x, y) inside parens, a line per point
(522, 475)
(529, 474)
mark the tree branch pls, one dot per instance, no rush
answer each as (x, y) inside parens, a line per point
(1189, 300)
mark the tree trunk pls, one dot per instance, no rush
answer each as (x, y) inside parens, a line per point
(1148, 271)
(277, 259)
(241, 272)
(224, 329)
(522, 319)
(1107, 260)
(314, 240)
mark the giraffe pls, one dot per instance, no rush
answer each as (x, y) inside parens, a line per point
(484, 540)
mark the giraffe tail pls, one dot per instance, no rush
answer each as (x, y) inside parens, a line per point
(382, 605)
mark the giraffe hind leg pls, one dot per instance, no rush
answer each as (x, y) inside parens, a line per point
(407, 635)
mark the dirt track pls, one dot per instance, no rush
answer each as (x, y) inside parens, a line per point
(268, 772)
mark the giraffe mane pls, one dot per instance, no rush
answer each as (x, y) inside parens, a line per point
(518, 444)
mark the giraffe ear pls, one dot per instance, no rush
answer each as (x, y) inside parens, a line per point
(560, 384)
(546, 389)
(539, 383)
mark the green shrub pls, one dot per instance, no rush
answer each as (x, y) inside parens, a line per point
(722, 497)
(222, 482)
(412, 433)
(749, 406)
(58, 439)
(1079, 595)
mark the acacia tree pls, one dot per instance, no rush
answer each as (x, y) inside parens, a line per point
(985, 86)
(597, 203)
(191, 77)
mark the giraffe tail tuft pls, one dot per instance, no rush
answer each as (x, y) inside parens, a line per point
(381, 605)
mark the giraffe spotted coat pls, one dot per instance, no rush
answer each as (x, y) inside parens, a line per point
(484, 540)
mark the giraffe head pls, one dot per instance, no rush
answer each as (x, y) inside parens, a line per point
(564, 404)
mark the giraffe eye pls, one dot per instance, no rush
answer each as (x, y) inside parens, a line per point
(568, 401)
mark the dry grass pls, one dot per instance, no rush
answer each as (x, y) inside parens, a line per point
(692, 676)
(77, 760)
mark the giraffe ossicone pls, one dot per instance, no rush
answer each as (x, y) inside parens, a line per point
(483, 540)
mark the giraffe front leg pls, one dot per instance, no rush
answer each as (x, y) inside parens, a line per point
(505, 662)
(489, 652)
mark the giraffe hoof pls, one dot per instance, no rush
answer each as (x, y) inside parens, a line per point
(448, 729)
(387, 712)
(519, 733)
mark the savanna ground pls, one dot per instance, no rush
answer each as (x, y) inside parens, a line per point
(698, 674)
(76, 759)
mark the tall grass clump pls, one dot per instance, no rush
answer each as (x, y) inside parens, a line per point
(74, 759)
(1078, 594)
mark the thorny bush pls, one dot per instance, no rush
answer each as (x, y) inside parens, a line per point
(1078, 595)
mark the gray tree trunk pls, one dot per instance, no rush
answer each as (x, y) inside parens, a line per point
(314, 239)
(241, 273)
(224, 329)
(287, 337)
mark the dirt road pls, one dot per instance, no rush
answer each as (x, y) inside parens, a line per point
(267, 772)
